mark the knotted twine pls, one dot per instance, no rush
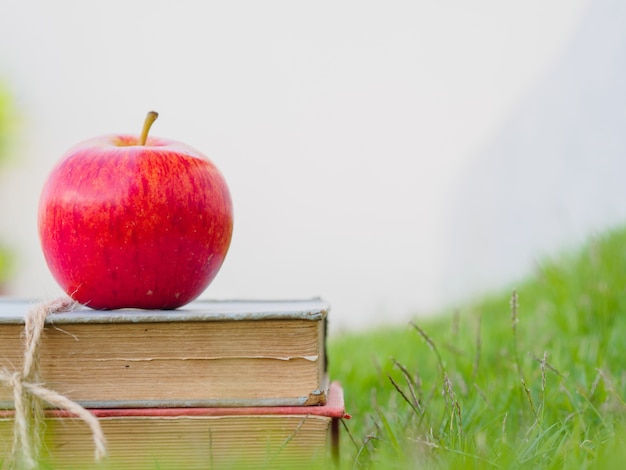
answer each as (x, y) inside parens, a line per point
(29, 395)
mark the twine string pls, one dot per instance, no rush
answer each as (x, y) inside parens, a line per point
(29, 394)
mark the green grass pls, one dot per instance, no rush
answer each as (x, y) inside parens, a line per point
(534, 377)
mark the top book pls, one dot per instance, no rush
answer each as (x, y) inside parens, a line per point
(206, 354)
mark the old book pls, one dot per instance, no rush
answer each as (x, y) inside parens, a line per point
(206, 354)
(190, 438)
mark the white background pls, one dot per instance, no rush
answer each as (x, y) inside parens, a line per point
(347, 132)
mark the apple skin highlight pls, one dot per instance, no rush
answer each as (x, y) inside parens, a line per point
(124, 225)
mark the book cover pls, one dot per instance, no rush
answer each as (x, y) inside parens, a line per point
(206, 354)
(190, 438)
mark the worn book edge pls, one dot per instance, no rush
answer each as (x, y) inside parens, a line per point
(334, 408)
(13, 311)
(316, 398)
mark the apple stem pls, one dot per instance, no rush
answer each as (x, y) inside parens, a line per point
(150, 118)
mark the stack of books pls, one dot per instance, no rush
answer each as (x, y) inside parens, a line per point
(215, 384)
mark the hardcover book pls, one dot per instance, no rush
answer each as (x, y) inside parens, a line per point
(206, 354)
(193, 438)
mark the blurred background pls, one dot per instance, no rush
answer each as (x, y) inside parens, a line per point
(395, 158)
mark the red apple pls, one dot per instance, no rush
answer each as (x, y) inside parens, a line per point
(128, 221)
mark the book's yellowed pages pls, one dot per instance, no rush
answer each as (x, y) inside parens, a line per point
(211, 354)
(192, 438)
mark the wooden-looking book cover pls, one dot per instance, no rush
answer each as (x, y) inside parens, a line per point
(206, 354)
(190, 438)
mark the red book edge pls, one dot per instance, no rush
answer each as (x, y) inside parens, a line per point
(334, 408)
